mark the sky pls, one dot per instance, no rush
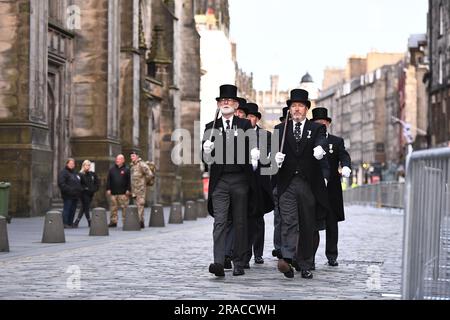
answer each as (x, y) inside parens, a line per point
(292, 37)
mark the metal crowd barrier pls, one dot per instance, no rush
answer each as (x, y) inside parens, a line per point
(426, 245)
(385, 194)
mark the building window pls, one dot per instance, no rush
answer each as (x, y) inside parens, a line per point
(441, 68)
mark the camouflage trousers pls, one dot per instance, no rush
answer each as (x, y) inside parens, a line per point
(118, 201)
(139, 200)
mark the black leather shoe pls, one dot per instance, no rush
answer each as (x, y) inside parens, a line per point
(75, 224)
(112, 225)
(238, 271)
(285, 268)
(259, 260)
(313, 267)
(217, 269)
(247, 266)
(307, 274)
(277, 253)
(333, 263)
(142, 225)
(227, 264)
(296, 266)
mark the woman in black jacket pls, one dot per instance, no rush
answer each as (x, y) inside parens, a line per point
(90, 185)
(70, 186)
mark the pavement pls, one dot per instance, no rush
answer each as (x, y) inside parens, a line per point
(171, 263)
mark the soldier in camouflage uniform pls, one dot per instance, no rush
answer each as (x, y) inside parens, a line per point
(140, 173)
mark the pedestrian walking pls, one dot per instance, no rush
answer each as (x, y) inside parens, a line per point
(70, 186)
(118, 188)
(262, 202)
(276, 252)
(90, 185)
(229, 183)
(140, 174)
(301, 185)
(337, 156)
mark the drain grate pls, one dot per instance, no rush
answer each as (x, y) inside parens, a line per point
(362, 262)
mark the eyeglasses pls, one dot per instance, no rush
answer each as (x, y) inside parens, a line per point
(227, 100)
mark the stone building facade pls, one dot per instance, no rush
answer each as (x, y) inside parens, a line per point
(439, 76)
(90, 80)
(366, 109)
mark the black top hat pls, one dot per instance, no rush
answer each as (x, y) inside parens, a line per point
(320, 114)
(253, 109)
(285, 111)
(299, 95)
(228, 91)
(242, 105)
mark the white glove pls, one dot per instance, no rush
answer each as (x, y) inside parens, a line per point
(255, 154)
(346, 171)
(326, 182)
(208, 146)
(319, 152)
(254, 164)
(279, 159)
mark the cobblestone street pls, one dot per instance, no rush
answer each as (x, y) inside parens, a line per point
(172, 263)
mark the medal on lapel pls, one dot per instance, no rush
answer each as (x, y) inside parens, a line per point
(331, 148)
(235, 130)
(309, 134)
(221, 131)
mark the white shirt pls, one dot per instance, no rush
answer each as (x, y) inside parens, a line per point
(301, 128)
(224, 122)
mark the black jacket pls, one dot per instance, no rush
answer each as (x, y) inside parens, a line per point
(89, 182)
(216, 169)
(336, 155)
(69, 184)
(301, 156)
(119, 180)
(262, 199)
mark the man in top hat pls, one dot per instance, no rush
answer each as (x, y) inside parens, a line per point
(337, 156)
(229, 183)
(276, 252)
(301, 185)
(262, 201)
(283, 117)
(242, 111)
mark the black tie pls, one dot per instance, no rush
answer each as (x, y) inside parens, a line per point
(298, 132)
(228, 124)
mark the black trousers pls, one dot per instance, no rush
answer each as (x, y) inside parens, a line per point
(256, 233)
(231, 191)
(332, 235)
(86, 200)
(298, 222)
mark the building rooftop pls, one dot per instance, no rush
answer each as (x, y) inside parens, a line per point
(307, 78)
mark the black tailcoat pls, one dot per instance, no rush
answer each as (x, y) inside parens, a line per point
(336, 155)
(215, 170)
(314, 170)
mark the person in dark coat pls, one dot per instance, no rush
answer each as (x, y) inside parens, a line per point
(301, 185)
(230, 179)
(90, 185)
(276, 252)
(337, 157)
(241, 112)
(263, 198)
(70, 186)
